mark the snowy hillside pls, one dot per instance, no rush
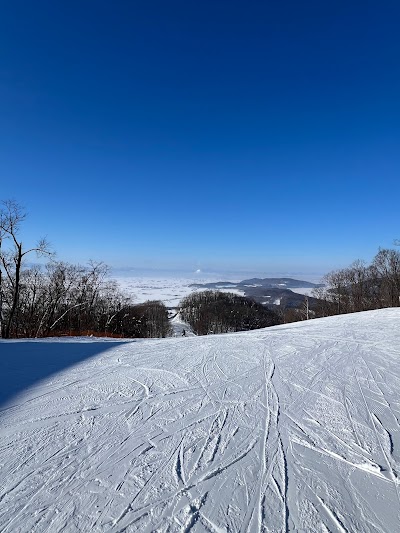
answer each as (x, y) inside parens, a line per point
(291, 428)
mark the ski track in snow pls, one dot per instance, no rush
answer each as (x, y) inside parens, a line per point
(291, 428)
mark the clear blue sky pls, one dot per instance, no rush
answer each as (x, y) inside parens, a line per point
(251, 135)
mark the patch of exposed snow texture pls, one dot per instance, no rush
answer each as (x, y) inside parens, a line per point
(291, 428)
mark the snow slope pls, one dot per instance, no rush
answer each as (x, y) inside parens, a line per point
(179, 327)
(291, 428)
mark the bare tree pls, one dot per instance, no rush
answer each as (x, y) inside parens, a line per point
(64, 299)
(210, 312)
(386, 265)
(12, 254)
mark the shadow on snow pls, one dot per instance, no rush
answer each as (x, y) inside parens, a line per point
(23, 363)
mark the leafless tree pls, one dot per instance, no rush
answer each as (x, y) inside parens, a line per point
(12, 255)
(64, 299)
(361, 287)
(210, 312)
(386, 265)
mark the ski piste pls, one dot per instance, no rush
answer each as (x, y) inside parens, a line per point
(289, 428)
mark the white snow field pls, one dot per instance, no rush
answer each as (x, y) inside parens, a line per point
(291, 428)
(169, 290)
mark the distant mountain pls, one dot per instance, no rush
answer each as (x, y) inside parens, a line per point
(288, 283)
(271, 283)
(272, 296)
(268, 291)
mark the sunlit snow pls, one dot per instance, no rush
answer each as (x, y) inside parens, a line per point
(291, 428)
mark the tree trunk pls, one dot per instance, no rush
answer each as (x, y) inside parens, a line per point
(18, 263)
(1, 305)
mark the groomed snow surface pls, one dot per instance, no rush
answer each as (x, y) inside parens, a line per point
(291, 428)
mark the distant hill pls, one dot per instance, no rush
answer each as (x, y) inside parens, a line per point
(268, 291)
(287, 283)
(278, 283)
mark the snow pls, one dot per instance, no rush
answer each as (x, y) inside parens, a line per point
(180, 328)
(169, 290)
(239, 292)
(307, 291)
(291, 428)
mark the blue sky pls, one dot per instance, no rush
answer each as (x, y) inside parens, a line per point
(259, 136)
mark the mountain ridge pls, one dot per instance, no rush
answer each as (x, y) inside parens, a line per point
(262, 282)
(271, 292)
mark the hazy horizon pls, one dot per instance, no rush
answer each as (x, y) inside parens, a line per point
(221, 274)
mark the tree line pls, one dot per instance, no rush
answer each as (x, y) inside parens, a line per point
(210, 312)
(361, 286)
(64, 299)
(60, 298)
